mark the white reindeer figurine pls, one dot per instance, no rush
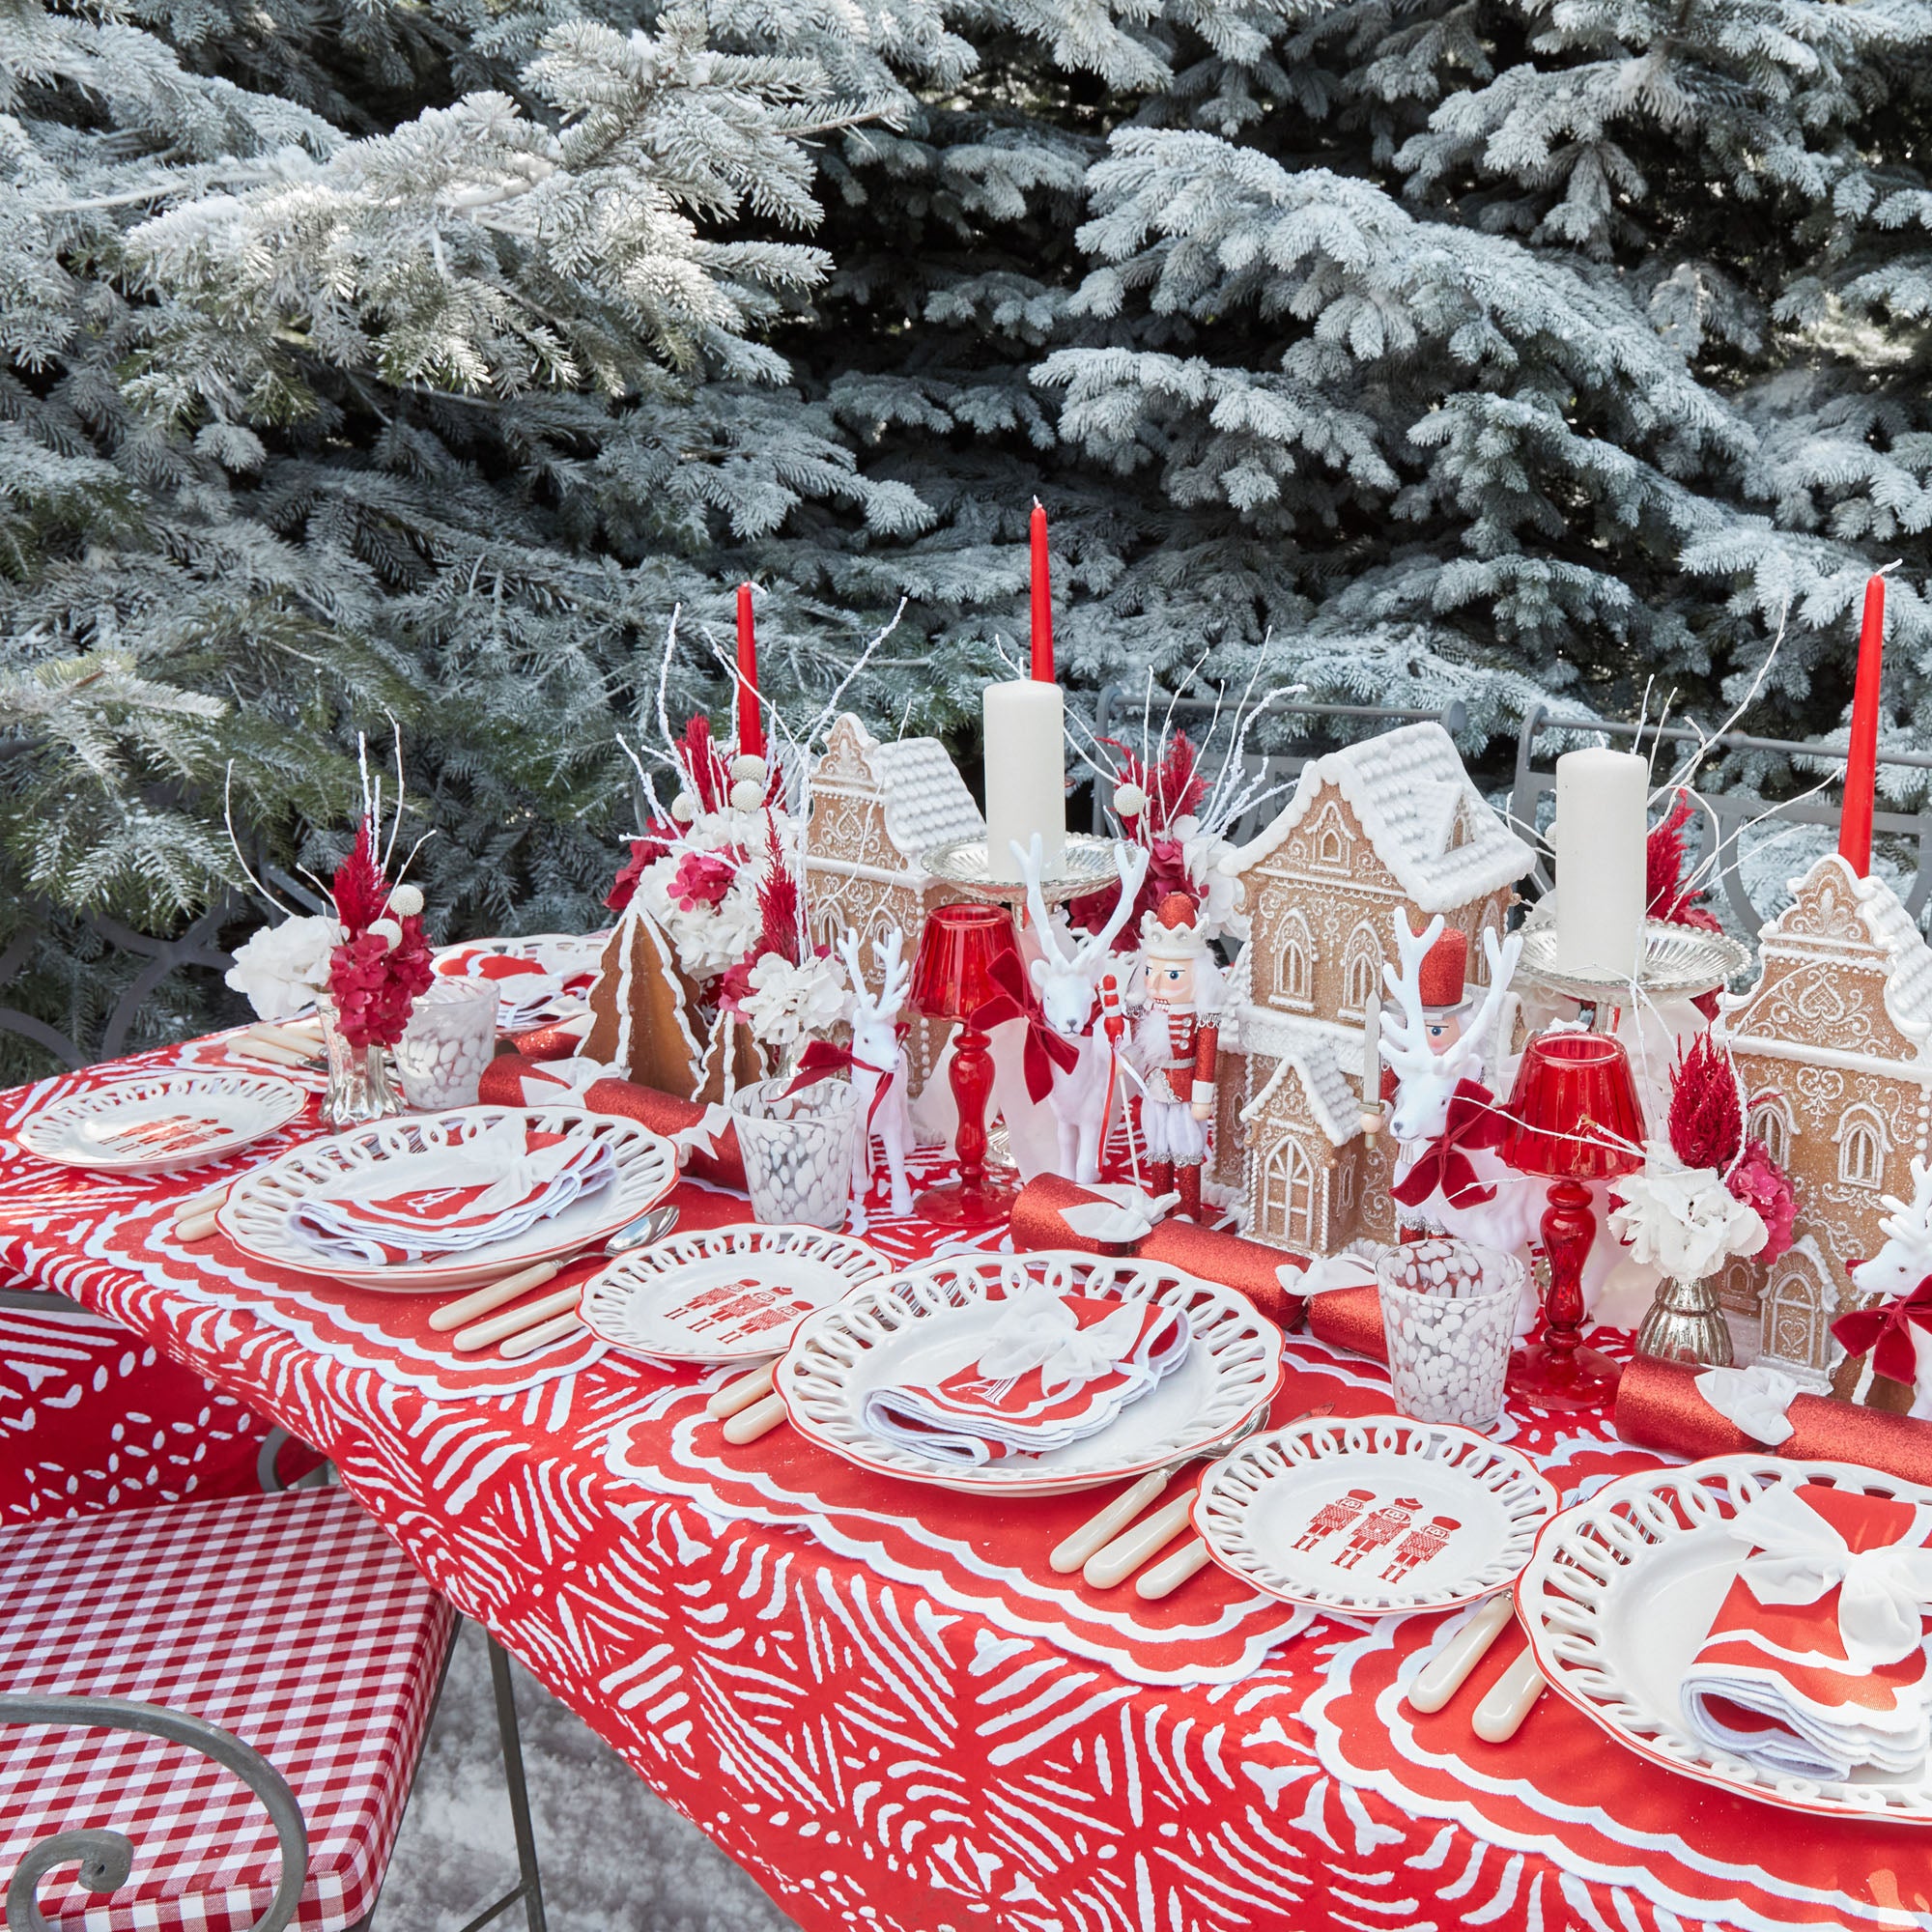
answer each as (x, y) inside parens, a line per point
(879, 1058)
(1894, 1272)
(1428, 1071)
(1067, 982)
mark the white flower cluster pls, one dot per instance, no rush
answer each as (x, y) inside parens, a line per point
(788, 1002)
(1683, 1220)
(282, 968)
(710, 939)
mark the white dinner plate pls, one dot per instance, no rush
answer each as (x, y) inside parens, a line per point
(724, 1295)
(160, 1124)
(557, 988)
(255, 1216)
(923, 1324)
(1622, 1591)
(1373, 1514)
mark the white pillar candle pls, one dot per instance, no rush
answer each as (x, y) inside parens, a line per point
(1598, 839)
(1026, 772)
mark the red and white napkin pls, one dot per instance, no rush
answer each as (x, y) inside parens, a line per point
(1054, 1368)
(528, 993)
(1816, 1661)
(448, 1200)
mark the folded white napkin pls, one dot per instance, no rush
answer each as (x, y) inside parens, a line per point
(1815, 1663)
(487, 1188)
(1052, 1369)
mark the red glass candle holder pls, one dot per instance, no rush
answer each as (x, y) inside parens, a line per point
(952, 980)
(1573, 1118)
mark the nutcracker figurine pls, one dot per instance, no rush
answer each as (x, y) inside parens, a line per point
(1175, 1041)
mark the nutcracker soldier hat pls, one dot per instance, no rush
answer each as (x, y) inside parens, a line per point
(1442, 980)
(1173, 930)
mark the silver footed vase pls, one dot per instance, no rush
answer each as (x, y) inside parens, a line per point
(1683, 1324)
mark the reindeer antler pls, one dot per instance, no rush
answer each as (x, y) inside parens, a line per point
(1032, 862)
(848, 954)
(1131, 861)
(896, 976)
(1910, 1220)
(1406, 1041)
(1502, 958)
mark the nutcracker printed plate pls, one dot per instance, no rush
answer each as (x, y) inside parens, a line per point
(159, 1126)
(539, 980)
(931, 1322)
(724, 1294)
(259, 1214)
(1373, 1514)
(1622, 1591)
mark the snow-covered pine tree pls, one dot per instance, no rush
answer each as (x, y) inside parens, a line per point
(367, 360)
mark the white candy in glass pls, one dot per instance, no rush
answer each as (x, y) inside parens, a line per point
(450, 1039)
(1026, 773)
(1598, 839)
(1448, 1313)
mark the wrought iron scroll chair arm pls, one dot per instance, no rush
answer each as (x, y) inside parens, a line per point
(106, 1858)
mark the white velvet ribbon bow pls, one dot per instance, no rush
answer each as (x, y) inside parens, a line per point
(1123, 1212)
(1755, 1398)
(1039, 1331)
(1882, 1593)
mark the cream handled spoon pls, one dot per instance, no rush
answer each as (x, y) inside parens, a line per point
(1449, 1665)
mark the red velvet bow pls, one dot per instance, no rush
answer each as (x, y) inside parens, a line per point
(1886, 1331)
(823, 1058)
(1045, 1049)
(1473, 1122)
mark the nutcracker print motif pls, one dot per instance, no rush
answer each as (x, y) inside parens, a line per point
(1386, 1532)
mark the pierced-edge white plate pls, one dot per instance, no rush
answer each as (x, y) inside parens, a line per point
(162, 1123)
(1373, 1514)
(724, 1294)
(561, 955)
(924, 1324)
(1622, 1588)
(255, 1216)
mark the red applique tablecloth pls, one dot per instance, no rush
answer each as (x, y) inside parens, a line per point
(880, 1699)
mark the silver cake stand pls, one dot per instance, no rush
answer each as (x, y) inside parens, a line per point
(1679, 962)
(1087, 866)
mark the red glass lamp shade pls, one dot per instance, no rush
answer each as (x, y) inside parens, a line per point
(1572, 1117)
(953, 979)
(1573, 1114)
(958, 949)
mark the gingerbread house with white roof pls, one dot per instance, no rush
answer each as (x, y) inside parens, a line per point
(1833, 1049)
(1390, 824)
(875, 808)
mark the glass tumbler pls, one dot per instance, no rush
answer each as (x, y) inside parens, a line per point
(1448, 1311)
(798, 1150)
(450, 1039)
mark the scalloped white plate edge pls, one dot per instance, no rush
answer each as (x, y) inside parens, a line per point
(134, 1168)
(1702, 1772)
(959, 1482)
(1326, 1424)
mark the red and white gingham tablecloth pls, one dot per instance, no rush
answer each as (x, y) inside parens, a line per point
(880, 1700)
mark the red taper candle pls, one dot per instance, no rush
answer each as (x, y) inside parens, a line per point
(1043, 600)
(1855, 822)
(751, 726)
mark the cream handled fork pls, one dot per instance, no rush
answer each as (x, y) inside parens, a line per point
(1102, 1564)
(1450, 1664)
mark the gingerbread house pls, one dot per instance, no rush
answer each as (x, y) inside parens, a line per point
(875, 808)
(1833, 1049)
(1391, 824)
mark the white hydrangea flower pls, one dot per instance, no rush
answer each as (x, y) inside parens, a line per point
(1202, 853)
(282, 968)
(788, 1002)
(1683, 1220)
